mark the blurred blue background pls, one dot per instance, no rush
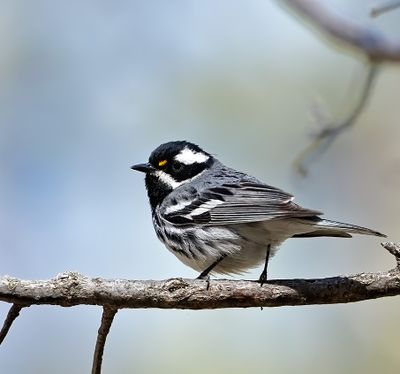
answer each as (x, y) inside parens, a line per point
(89, 88)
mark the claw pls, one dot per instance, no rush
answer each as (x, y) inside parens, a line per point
(206, 278)
(205, 274)
(263, 278)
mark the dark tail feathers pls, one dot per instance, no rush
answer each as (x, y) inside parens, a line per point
(324, 227)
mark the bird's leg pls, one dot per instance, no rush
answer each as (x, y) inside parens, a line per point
(263, 276)
(205, 273)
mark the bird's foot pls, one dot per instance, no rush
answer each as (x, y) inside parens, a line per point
(263, 278)
(205, 276)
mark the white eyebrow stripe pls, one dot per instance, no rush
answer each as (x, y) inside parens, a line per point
(188, 157)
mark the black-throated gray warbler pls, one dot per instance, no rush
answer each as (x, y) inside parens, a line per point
(216, 219)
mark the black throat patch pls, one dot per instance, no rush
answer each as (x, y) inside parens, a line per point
(157, 191)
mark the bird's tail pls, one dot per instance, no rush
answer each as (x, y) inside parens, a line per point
(325, 227)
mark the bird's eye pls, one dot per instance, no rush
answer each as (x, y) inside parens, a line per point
(177, 166)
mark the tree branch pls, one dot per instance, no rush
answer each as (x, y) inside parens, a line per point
(13, 313)
(372, 43)
(71, 289)
(107, 318)
(384, 7)
(331, 129)
(367, 40)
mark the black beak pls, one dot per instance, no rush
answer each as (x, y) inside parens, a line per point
(144, 168)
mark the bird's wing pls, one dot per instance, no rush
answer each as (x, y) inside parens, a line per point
(234, 203)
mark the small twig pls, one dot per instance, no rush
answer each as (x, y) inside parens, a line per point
(13, 313)
(328, 134)
(106, 321)
(394, 249)
(384, 7)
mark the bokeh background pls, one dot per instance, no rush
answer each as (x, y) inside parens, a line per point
(87, 88)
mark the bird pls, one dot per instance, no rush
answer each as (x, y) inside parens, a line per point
(218, 220)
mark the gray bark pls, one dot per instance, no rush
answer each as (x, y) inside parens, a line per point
(71, 289)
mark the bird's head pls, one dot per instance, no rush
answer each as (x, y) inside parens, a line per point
(171, 165)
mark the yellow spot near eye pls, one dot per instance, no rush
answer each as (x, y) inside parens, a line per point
(162, 162)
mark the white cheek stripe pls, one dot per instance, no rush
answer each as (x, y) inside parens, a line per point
(170, 181)
(167, 179)
(188, 157)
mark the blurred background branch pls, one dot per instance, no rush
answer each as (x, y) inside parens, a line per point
(367, 40)
(330, 128)
(376, 46)
(383, 7)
